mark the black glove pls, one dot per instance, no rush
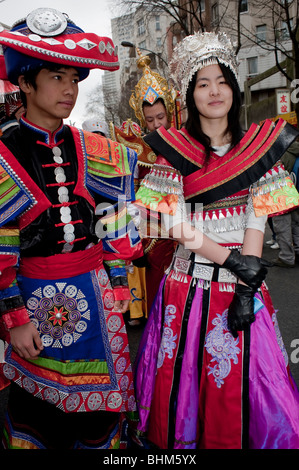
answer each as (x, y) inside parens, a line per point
(250, 269)
(241, 310)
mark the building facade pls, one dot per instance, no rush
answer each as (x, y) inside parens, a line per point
(255, 26)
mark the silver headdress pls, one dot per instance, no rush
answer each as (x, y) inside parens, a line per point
(198, 51)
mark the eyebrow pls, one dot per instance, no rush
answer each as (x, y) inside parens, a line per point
(63, 71)
(205, 78)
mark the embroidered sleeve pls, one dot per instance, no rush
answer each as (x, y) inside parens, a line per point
(121, 244)
(12, 309)
(160, 189)
(14, 197)
(160, 201)
(275, 193)
(110, 167)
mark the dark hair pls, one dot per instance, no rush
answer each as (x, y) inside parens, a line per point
(147, 104)
(193, 125)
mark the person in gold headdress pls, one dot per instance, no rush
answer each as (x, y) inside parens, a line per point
(155, 105)
(153, 100)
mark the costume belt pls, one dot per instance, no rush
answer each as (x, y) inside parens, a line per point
(207, 272)
(62, 265)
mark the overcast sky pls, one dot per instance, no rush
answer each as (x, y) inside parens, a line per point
(90, 15)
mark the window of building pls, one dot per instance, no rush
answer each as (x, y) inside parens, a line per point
(158, 24)
(142, 45)
(159, 42)
(244, 6)
(140, 27)
(285, 30)
(261, 32)
(215, 13)
(252, 66)
(201, 5)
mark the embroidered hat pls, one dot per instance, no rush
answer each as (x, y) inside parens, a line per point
(149, 89)
(47, 35)
(198, 51)
(93, 125)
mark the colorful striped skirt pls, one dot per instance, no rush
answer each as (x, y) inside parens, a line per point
(85, 364)
(199, 387)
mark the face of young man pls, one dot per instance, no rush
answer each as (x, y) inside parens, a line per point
(155, 116)
(54, 97)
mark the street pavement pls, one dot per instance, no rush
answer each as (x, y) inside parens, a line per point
(283, 285)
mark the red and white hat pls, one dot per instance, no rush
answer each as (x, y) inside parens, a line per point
(47, 35)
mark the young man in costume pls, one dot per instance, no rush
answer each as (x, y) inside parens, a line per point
(212, 372)
(63, 286)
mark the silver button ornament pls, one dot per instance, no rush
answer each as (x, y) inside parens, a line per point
(46, 22)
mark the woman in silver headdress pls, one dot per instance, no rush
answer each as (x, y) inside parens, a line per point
(211, 371)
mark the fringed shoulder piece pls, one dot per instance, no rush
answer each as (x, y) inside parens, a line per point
(110, 165)
(160, 189)
(274, 193)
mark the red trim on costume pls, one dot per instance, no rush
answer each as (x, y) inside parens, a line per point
(94, 58)
(121, 293)
(7, 276)
(6, 261)
(72, 222)
(41, 202)
(68, 265)
(56, 165)
(16, 317)
(80, 188)
(218, 171)
(74, 241)
(235, 162)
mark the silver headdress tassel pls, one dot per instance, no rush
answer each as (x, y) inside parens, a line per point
(198, 51)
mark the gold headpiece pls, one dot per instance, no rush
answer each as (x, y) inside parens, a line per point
(198, 51)
(149, 89)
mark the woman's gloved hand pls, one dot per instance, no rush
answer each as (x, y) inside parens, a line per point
(241, 310)
(250, 269)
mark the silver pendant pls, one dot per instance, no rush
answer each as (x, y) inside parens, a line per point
(46, 22)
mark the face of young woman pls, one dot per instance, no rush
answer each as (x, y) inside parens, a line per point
(54, 97)
(212, 95)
